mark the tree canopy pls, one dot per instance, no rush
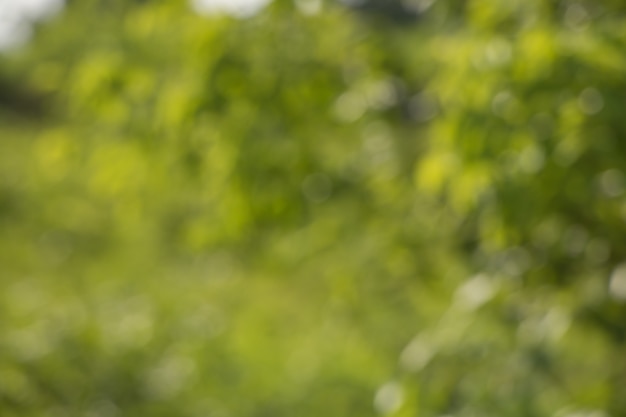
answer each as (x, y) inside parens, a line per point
(332, 209)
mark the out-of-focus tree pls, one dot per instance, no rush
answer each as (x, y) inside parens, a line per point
(527, 152)
(277, 214)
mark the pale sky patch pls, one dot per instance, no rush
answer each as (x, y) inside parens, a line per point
(237, 8)
(18, 16)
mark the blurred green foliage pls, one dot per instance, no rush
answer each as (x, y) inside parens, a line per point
(399, 209)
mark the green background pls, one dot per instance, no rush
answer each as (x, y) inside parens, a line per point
(397, 209)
